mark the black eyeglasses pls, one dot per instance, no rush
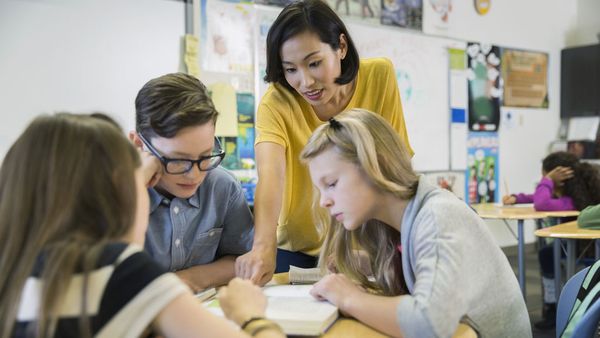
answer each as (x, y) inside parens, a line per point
(177, 166)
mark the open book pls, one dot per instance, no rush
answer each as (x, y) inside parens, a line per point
(305, 276)
(294, 309)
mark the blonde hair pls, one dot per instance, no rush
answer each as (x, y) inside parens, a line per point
(67, 187)
(368, 141)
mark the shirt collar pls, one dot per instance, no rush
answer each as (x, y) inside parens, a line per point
(157, 199)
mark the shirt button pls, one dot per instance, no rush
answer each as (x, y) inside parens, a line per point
(177, 242)
(176, 210)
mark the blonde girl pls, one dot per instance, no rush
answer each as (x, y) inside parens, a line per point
(434, 262)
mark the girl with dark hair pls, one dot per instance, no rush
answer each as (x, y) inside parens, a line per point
(315, 73)
(566, 184)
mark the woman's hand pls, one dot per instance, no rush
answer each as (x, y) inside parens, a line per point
(560, 174)
(337, 289)
(242, 300)
(509, 199)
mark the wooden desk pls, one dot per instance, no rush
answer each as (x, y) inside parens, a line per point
(519, 213)
(351, 328)
(569, 232)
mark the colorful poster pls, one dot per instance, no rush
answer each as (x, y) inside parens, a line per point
(232, 159)
(485, 89)
(226, 37)
(481, 184)
(245, 140)
(364, 9)
(525, 76)
(403, 13)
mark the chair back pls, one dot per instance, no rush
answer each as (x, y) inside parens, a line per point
(567, 300)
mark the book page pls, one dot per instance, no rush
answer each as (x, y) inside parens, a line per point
(305, 276)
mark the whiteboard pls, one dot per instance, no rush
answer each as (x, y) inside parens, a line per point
(82, 56)
(421, 64)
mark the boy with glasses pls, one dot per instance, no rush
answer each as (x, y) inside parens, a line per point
(199, 219)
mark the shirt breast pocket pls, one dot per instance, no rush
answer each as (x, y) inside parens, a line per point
(204, 247)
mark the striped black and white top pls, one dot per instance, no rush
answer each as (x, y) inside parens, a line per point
(126, 292)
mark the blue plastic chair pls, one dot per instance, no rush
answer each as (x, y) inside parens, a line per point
(567, 300)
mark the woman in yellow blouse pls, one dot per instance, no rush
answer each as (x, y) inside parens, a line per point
(315, 74)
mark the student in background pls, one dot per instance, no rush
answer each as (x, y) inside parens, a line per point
(73, 213)
(566, 184)
(199, 219)
(315, 73)
(589, 218)
(434, 261)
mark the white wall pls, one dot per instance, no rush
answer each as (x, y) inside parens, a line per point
(585, 29)
(82, 56)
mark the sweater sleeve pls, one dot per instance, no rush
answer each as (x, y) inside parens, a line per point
(435, 306)
(544, 201)
(589, 217)
(523, 198)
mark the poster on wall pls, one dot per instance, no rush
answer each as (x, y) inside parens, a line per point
(364, 9)
(525, 76)
(453, 181)
(226, 36)
(403, 13)
(245, 140)
(264, 16)
(485, 89)
(482, 168)
(458, 108)
(438, 14)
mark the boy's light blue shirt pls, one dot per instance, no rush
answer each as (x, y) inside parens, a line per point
(214, 222)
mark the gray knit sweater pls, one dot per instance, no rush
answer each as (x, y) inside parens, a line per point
(455, 271)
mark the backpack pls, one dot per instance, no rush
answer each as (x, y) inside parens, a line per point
(589, 292)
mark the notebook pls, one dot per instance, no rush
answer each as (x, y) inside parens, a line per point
(294, 309)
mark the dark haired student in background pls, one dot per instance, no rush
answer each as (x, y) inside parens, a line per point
(567, 184)
(315, 73)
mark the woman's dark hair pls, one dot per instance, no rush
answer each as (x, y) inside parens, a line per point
(584, 186)
(308, 16)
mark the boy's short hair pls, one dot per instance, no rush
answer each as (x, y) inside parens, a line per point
(172, 102)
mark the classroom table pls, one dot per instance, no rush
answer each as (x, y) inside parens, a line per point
(570, 233)
(520, 213)
(345, 327)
